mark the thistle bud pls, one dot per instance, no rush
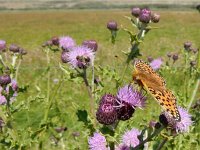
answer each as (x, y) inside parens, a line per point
(2, 46)
(55, 40)
(187, 45)
(169, 55)
(155, 18)
(112, 25)
(14, 48)
(135, 11)
(150, 59)
(92, 44)
(193, 63)
(5, 79)
(175, 57)
(145, 16)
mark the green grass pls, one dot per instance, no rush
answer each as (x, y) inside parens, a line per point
(31, 29)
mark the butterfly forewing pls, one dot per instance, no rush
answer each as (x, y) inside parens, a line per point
(156, 86)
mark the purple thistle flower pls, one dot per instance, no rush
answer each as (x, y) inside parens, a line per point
(106, 113)
(156, 63)
(130, 138)
(131, 96)
(135, 11)
(14, 85)
(183, 125)
(66, 42)
(97, 142)
(145, 15)
(80, 57)
(2, 45)
(3, 100)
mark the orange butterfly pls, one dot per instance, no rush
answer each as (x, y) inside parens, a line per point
(146, 77)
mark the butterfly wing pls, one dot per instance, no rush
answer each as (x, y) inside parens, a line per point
(155, 85)
(146, 71)
(167, 101)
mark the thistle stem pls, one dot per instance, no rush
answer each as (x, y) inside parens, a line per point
(89, 89)
(194, 93)
(17, 69)
(162, 143)
(149, 138)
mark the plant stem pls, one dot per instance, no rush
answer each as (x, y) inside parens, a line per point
(92, 104)
(162, 143)
(17, 69)
(48, 86)
(194, 93)
(149, 138)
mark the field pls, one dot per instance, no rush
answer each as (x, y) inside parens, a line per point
(30, 29)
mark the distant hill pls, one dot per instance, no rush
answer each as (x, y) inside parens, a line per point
(93, 4)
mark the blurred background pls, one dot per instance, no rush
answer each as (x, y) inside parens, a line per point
(94, 4)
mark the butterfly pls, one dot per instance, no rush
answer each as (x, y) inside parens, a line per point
(152, 82)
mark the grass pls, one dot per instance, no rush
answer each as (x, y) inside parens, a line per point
(31, 29)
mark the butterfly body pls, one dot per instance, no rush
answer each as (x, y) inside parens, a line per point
(156, 86)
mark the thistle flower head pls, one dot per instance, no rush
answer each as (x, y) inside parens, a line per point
(66, 42)
(183, 125)
(106, 113)
(14, 48)
(131, 96)
(97, 142)
(130, 138)
(55, 40)
(2, 100)
(175, 57)
(112, 25)
(5, 79)
(145, 15)
(2, 45)
(135, 11)
(156, 63)
(92, 44)
(187, 45)
(80, 57)
(155, 18)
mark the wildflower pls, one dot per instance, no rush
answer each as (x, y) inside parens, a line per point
(66, 43)
(135, 11)
(112, 25)
(2, 45)
(64, 57)
(193, 63)
(92, 44)
(181, 126)
(130, 138)
(14, 48)
(156, 63)
(97, 142)
(106, 113)
(80, 57)
(175, 57)
(55, 40)
(145, 15)
(150, 59)
(22, 51)
(187, 45)
(128, 99)
(133, 97)
(14, 85)
(195, 50)
(169, 55)
(3, 100)
(155, 18)
(5, 79)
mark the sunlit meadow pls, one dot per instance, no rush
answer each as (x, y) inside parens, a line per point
(44, 114)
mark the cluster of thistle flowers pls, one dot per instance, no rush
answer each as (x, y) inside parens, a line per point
(77, 56)
(121, 107)
(14, 48)
(188, 48)
(8, 89)
(144, 15)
